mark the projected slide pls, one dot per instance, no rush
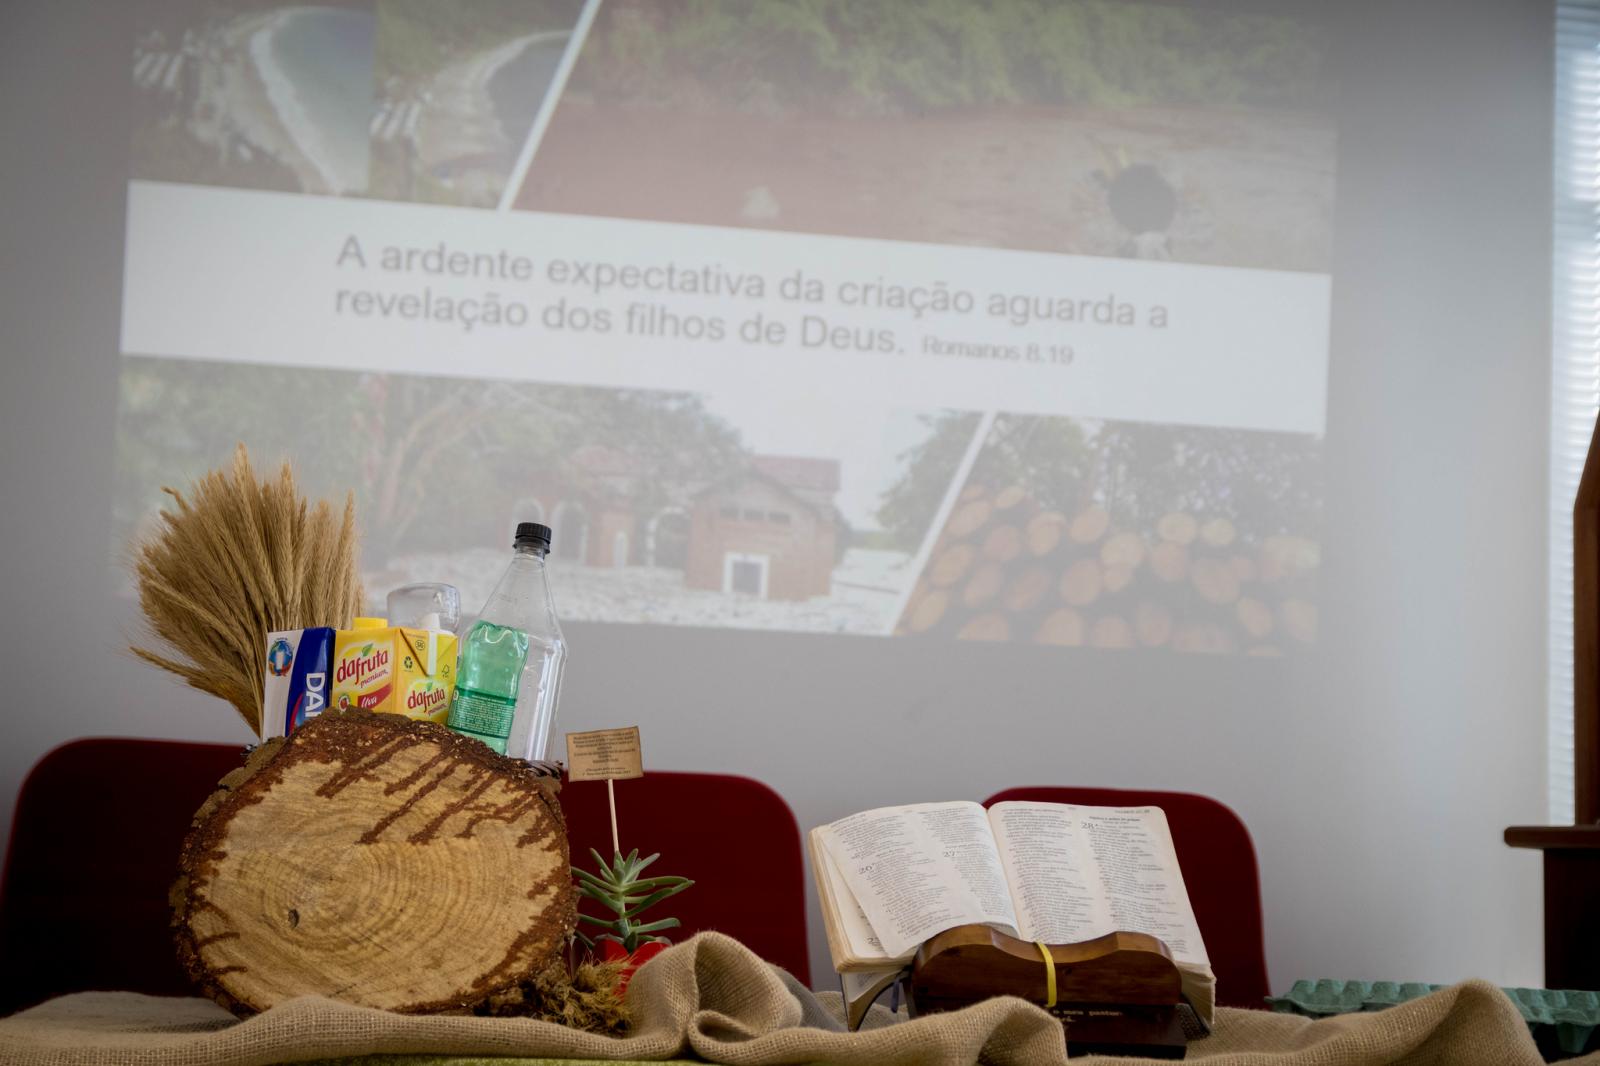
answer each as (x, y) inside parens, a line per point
(944, 321)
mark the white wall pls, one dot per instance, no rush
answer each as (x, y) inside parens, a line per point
(1376, 774)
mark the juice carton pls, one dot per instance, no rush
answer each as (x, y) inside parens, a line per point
(389, 669)
(296, 688)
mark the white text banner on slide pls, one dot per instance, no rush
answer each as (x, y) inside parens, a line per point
(275, 278)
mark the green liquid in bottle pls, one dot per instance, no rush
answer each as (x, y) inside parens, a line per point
(485, 699)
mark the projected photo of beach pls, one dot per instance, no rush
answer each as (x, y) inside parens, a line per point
(1092, 127)
(460, 85)
(254, 94)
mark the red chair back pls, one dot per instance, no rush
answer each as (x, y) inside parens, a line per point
(94, 848)
(735, 838)
(1219, 870)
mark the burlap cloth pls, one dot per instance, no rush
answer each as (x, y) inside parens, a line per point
(711, 998)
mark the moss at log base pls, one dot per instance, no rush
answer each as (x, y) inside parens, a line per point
(380, 861)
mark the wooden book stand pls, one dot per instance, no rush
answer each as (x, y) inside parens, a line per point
(1118, 994)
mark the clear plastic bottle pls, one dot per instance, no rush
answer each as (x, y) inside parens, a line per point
(509, 680)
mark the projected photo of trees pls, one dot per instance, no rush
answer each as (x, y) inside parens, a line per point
(662, 511)
(1096, 127)
(1064, 532)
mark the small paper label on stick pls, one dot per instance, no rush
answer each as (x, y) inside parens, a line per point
(604, 754)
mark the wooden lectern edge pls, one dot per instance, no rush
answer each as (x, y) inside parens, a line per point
(1548, 837)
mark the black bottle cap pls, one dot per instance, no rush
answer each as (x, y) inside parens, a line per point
(532, 535)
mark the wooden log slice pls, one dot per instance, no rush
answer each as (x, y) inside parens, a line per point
(1027, 589)
(1117, 578)
(1286, 556)
(1090, 525)
(1169, 561)
(1125, 549)
(968, 518)
(1178, 527)
(992, 626)
(951, 565)
(984, 585)
(1206, 638)
(1080, 585)
(1009, 497)
(1044, 532)
(1244, 568)
(1214, 580)
(1255, 617)
(926, 612)
(376, 860)
(1111, 631)
(919, 592)
(1003, 544)
(1218, 532)
(1064, 627)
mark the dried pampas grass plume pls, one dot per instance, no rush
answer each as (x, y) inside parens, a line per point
(234, 560)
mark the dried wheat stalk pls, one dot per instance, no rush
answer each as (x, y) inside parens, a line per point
(234, 560)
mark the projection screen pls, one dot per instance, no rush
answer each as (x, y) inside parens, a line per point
(1000, 322)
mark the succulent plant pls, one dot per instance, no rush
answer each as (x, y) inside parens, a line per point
(620, 889)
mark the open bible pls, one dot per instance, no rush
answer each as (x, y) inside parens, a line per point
(891, 878)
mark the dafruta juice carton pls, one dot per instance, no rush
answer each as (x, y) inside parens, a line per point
(393, 670)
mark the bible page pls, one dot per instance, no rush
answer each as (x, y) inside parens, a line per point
(1081, 872)
(1055, 885)
(853, 920)
(922, 869)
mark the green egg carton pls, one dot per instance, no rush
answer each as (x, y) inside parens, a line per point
(1572, 1018)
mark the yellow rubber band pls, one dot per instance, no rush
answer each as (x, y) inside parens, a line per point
(1049, 974)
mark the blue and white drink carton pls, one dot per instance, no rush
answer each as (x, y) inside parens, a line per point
(297, 679)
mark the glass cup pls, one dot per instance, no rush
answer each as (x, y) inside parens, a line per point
(426, 605)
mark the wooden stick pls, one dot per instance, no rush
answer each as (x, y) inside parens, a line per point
(611, 795)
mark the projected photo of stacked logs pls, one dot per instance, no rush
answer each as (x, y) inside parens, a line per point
(1117, 535)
